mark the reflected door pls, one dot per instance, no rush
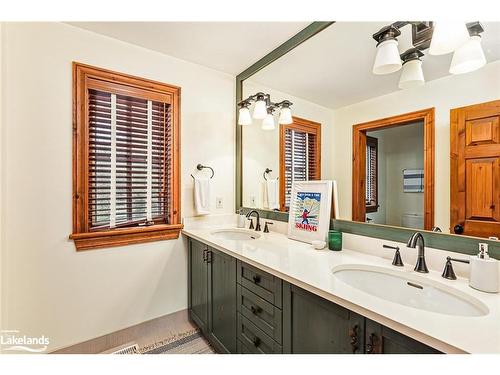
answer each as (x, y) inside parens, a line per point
(475, 170)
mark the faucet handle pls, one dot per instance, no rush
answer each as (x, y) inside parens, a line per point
(448, 272)
(266, 229)
(397, 261)
(251, 223)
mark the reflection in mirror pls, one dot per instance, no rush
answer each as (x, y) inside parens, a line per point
(417, 178)
(395, 176)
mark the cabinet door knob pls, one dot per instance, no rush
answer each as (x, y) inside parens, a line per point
(353, 334)
(371, 346)
(256, 279)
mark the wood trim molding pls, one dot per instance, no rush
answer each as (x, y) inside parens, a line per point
(303, 125)
(85, 76)
(359, 160)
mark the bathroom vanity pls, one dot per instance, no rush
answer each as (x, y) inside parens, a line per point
(264, 293)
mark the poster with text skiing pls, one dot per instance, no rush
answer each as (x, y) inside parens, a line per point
(307, 209)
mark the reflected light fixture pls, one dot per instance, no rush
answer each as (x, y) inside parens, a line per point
(260, 110)
(469, 56)
(387, 59)
(263, 110)
(244, 117)
(447, 37)
(268, 123)
(412, 74)
(285, 113)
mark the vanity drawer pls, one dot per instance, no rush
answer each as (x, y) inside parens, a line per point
(261, 283)
(260, 312)
(252, 339)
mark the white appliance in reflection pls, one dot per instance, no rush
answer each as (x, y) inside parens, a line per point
(410, 220)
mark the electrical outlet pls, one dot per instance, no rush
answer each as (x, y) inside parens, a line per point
(218, 202)
(252, 200)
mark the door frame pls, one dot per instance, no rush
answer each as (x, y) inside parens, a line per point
(359, 160)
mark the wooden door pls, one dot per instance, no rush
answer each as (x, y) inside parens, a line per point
(198, 284)
(222, 301)
(475, 170)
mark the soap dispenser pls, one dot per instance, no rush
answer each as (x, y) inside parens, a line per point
(484, 271)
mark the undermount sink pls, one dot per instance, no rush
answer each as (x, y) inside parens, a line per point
(410, 290)
(235, 234)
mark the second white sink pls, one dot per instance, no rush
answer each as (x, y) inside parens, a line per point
(235, 234)
(410, 290)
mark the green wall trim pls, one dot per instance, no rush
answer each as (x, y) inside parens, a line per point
(443, 241)
(296, 40)
(449, 242)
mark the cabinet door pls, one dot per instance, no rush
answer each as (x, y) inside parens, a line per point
(382, 340)
(222, 301)
(198, 284)
(314, 325)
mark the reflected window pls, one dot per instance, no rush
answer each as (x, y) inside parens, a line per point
(371, 174)
(300, 156)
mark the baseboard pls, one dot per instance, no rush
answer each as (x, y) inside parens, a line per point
(143, 333)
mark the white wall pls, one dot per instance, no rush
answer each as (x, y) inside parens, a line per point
(443, 94)
(261, 147)
(400, 148)
(49, 288)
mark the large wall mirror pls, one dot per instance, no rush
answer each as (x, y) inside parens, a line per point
(409, 143)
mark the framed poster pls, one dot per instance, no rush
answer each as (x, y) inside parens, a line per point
(310, 210)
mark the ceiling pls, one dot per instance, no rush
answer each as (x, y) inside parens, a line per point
(334, 68)
(229, 47)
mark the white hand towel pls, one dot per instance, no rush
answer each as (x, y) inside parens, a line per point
(273, 193)
(201, 195)
(265, 201)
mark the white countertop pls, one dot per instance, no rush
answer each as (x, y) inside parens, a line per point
(299, 264)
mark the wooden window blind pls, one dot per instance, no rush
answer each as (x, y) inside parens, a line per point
(371, 174)
(126, 176)
(300, 150)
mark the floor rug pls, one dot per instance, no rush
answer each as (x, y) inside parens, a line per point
(190, 342)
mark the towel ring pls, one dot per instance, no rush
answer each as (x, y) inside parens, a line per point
(267, 171)
(201, 167)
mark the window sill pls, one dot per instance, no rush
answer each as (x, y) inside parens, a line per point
(127, 236)
(371, 209)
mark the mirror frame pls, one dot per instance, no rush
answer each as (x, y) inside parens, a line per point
(443, 241)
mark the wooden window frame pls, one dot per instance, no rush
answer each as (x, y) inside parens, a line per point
(373, 142)
(359, 160)
(302, 125)
(83, 238)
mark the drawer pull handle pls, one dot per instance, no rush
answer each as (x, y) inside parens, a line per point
(256, 310)
(256, 342)
(256, 279)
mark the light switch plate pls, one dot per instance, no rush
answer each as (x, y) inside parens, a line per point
(218, 202)
(252, 200)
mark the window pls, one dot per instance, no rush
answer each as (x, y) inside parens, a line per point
(125, 159)
(371, 174)
(300, 156)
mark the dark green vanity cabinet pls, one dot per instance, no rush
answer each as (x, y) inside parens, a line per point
(242, 309)
(383, 340)
(312, 324)
(212, 295)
